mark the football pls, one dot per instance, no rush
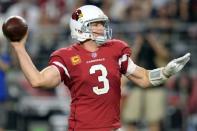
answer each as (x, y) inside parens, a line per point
(14, 28)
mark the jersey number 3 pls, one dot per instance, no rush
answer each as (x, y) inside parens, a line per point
(102, 78)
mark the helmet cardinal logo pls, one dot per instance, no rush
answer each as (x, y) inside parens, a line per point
(77, 14)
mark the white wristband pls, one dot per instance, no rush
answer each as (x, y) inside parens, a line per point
(131, 67)
(157, 77)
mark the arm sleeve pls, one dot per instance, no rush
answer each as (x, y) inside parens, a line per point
(59, 63)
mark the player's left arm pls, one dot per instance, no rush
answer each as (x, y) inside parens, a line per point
(146, 78)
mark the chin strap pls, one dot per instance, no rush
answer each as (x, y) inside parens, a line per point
(99, 41)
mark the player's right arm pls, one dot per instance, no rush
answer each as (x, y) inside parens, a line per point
(49, 77)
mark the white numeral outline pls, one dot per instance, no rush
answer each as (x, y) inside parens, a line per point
(102, 78)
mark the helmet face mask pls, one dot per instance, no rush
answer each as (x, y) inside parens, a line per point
(81, 20)
(107, 32)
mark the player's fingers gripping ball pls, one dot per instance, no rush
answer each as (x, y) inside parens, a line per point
(14, 28)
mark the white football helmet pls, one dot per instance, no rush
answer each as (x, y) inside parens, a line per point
(81, 19)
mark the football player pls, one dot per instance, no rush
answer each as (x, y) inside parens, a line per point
(91, 69)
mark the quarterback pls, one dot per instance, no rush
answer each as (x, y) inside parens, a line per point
(92, 69)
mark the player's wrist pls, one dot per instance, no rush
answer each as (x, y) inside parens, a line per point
(166, 73)
(18, 46)
(157, 77)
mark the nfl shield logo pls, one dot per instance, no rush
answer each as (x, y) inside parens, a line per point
(94, 54)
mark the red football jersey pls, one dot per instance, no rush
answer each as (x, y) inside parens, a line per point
(93, 79)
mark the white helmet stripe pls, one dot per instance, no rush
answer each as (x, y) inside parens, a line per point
(63, 67)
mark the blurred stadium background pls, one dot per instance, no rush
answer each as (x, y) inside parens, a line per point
(174, 23)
